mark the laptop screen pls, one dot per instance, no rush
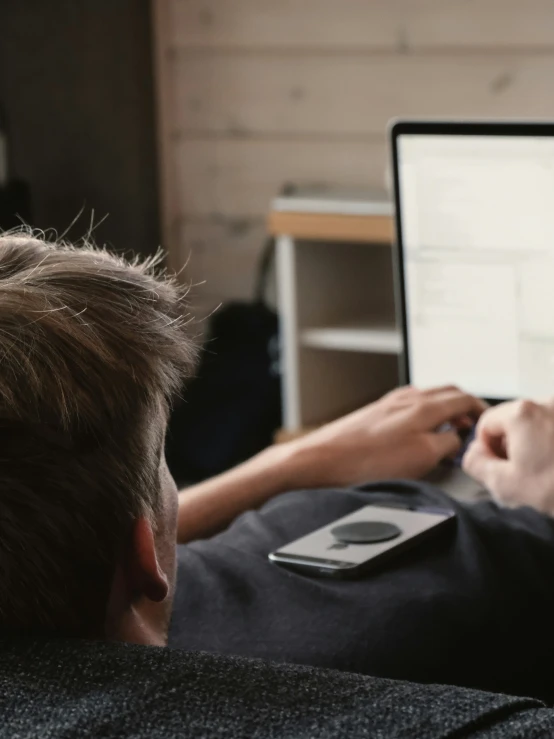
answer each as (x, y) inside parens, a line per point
(476, 215)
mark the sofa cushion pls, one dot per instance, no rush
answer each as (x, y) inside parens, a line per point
(77, 688)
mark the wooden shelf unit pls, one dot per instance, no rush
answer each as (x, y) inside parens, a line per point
(332, 227)
(340, 343)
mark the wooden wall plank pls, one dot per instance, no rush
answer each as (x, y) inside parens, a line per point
(352, 95)
(237, 177)
(365, 24)
(219, 257)
(260, 92)
(165, 121)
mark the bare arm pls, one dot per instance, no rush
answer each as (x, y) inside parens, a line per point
(394, 437)
(209, 506)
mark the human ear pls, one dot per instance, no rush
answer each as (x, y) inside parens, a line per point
(147, 577)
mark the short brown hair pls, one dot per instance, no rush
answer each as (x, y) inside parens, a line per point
(90, 345)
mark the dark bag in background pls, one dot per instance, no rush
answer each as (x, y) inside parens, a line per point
(232, 408)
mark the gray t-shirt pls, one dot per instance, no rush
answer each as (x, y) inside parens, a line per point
(472, 607)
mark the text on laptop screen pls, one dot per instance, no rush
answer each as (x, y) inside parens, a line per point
(477, 216)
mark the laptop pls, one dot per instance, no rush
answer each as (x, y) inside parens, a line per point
(475, 255)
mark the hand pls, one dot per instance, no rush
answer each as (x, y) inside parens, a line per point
(395, 437)
(513, 454)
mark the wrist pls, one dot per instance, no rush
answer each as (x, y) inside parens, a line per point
(306, 464)
(283, 467)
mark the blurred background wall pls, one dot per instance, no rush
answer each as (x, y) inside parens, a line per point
(77, 85)
(250, 94)
(254, 93)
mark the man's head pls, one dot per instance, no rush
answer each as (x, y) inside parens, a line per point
(92, 350)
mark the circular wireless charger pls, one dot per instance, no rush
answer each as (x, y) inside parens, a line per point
(365, 532)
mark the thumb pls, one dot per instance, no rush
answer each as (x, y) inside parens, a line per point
(484, 466)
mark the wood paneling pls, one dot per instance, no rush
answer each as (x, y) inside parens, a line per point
(76, 85)
(221, 256)
(364, 24)
(239, 177)
(353, 95)
(165, 121)
(263, 92)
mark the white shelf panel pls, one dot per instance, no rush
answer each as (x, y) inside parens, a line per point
(378, 339)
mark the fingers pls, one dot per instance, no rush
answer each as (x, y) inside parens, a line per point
(405, 391)
(549, 403)
(484, 466)
(477, 461)
(445, 404)
(463, 422)
(496, 425)
(497, 420)
(444, 444)
(439, 390)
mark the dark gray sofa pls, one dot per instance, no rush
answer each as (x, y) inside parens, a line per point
(71, 688)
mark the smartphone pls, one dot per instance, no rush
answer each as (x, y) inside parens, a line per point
(351, 546)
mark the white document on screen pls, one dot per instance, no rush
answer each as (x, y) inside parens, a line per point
(478, 232)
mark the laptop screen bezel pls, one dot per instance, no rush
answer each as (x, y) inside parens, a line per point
(400, 128)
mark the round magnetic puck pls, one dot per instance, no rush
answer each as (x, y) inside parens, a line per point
(365, 532)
